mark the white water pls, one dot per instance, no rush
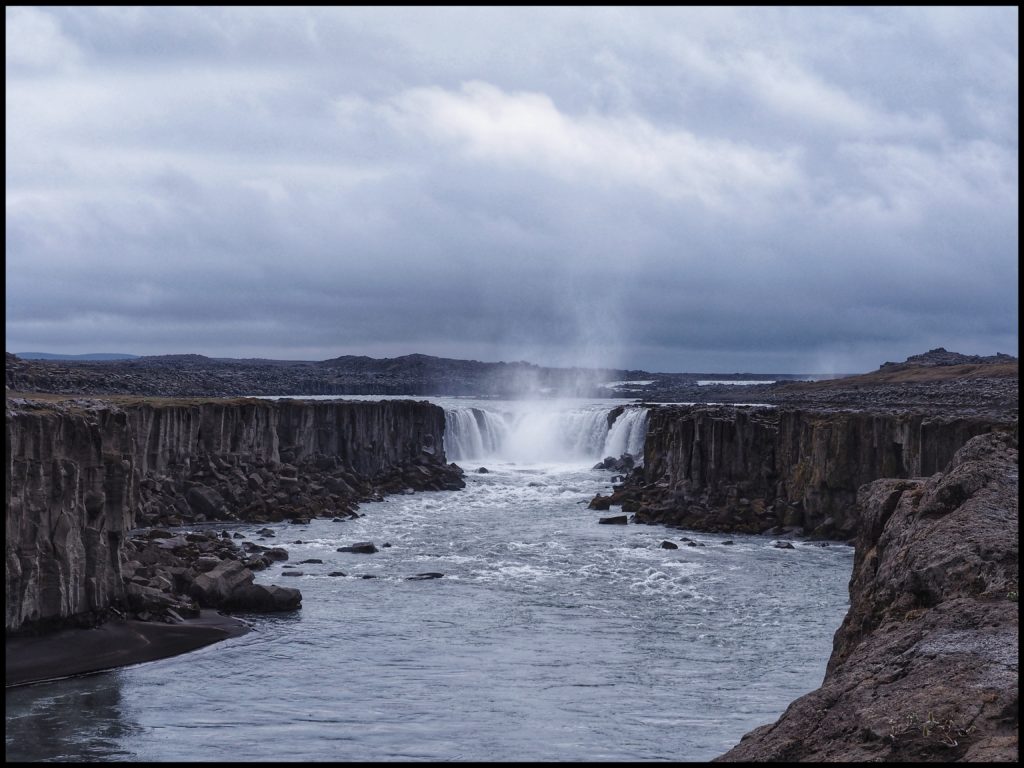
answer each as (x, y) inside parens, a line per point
(542, 431)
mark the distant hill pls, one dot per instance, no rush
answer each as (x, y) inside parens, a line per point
(937, 377)
(940, 357)
(89, 356)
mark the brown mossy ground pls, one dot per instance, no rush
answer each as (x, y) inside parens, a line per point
(911, 375)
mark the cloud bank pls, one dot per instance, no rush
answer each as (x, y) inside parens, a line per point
(673, 189)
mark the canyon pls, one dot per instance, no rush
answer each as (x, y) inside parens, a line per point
(922, 480)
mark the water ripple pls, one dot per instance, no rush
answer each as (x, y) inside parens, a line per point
(548, 638)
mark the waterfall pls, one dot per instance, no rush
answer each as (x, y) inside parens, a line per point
(542, 432)
(472, 433)
(627, 434)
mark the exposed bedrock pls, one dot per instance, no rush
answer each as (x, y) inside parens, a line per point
(925, 664)
(80, 476)
(755, 469)
(71, 489)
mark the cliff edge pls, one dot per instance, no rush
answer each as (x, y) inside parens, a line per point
(83, 475)
(924, 667)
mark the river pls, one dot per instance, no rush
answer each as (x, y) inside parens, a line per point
(549, 636)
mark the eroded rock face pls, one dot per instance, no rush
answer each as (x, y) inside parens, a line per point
(70, 492)
(80, 475)
(755, 469)
(925, 665)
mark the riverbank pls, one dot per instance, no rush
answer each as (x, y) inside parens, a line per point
(116, 643)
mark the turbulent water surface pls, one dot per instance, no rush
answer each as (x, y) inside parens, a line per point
(549, 637)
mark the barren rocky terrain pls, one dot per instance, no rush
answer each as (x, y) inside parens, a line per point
(937, 380)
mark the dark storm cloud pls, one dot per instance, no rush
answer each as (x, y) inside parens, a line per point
(674, 189)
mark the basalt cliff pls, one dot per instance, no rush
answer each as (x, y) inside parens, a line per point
(83, 477)
(755, 470)
(925, 664)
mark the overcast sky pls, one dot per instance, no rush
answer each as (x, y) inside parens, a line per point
(675, 189)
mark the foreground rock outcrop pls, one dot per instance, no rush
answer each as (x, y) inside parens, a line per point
(81, 475)
(925, 665)
(754, 470)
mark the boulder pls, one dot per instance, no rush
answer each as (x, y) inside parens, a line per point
(365, 547)
(205, 501)
(264, 598)
(617, 520)
(172, 543)
(624, 463)
(213, 588)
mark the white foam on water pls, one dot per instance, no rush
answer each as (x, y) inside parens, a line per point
(542, 432)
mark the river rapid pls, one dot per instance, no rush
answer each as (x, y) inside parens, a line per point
(548, 637)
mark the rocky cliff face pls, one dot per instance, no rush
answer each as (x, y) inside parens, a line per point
(71, 487)
(81, 475)
(925, 665)
(756, 469)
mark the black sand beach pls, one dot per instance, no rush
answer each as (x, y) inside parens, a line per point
(114, 644)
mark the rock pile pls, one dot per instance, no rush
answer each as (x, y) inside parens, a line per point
(624, 463)
(253, 489)
(170, 576)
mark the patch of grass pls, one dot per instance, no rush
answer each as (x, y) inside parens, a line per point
(943, 730)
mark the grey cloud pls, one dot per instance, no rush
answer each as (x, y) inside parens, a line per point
(739, 189)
